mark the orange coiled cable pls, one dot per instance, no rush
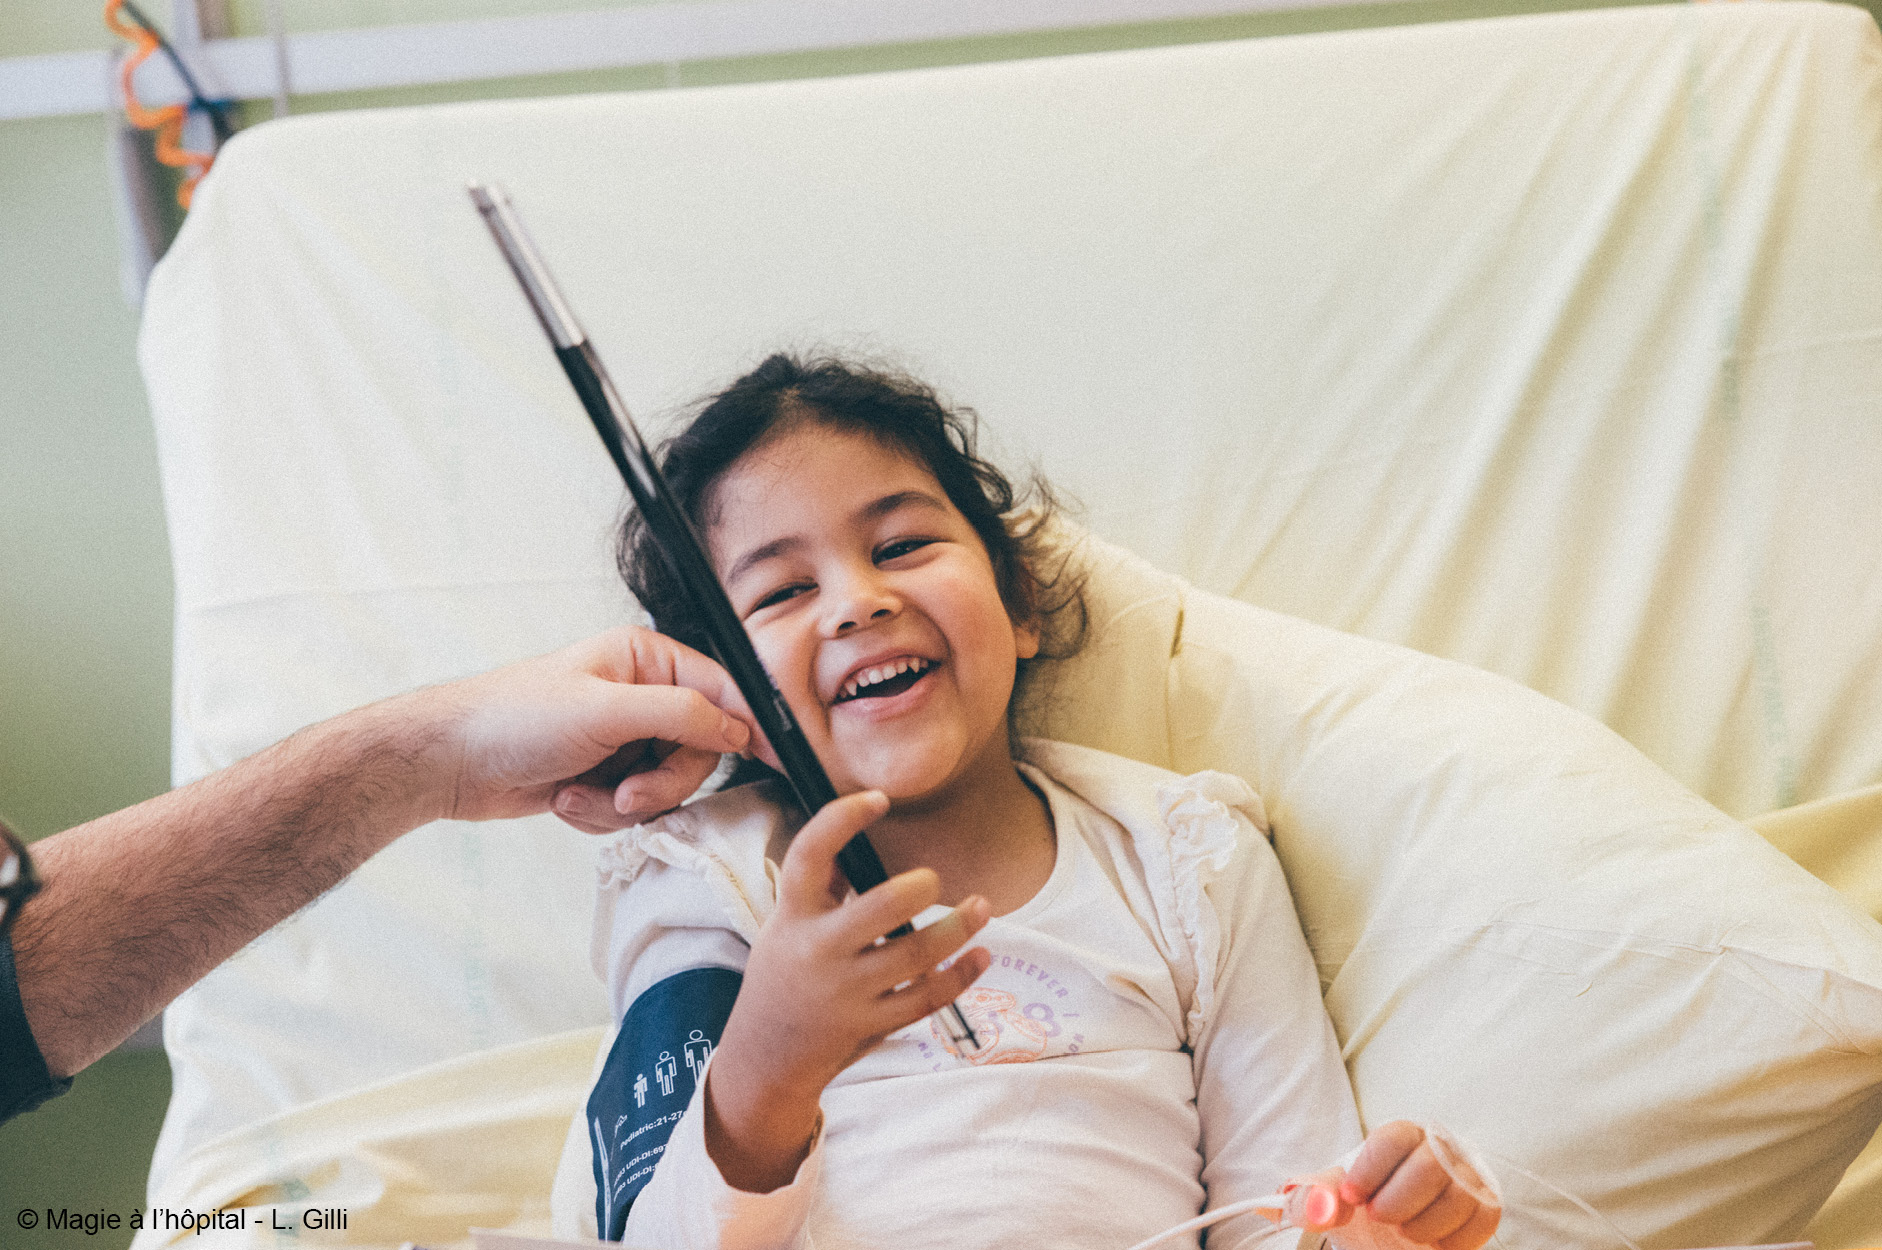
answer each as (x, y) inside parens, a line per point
(166, 122)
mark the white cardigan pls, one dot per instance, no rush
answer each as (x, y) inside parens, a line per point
(1180, 1056)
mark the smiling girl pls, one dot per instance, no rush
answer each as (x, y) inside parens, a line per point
(1153, 1040)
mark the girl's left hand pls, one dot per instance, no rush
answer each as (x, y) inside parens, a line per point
(1398, 1180)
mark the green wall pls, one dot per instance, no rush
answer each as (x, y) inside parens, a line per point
(84, 564)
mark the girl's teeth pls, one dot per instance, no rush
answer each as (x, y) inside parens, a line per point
(870, 677)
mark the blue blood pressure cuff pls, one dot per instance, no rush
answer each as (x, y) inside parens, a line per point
(652, 1068)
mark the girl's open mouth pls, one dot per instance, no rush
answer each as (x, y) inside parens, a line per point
(885, 680)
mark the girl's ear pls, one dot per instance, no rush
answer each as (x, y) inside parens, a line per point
(1026, 638)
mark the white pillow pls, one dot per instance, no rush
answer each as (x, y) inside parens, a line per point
(1526, 930)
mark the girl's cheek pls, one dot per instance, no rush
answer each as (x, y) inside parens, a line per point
(765, 645)
(788, 659)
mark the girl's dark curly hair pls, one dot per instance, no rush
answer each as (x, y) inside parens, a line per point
(1034, 582)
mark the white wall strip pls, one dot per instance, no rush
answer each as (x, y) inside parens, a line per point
(509, 47)
(47, 86)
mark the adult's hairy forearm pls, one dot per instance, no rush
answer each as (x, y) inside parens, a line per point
(140, 904)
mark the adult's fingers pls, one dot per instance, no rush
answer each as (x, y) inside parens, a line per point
(587, 808)
(809, 882)
(640, 657)
(620, 714)
(644, 794)
(595, 803)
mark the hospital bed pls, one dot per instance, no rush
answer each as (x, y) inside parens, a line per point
(1400, 374)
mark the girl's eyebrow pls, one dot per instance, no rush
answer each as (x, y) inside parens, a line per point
(870, 511)
(900, 499)
(759, 554)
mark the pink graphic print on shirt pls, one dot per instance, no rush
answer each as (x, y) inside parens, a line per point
(1007, 1035)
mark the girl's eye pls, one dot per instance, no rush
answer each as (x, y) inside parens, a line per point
(779, 595)
(900, 547)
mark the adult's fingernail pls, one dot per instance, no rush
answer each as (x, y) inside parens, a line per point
(735, 731)
(569, 803)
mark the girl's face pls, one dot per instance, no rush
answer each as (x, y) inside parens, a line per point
(873, 604)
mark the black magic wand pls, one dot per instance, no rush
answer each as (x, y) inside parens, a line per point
(673, 533)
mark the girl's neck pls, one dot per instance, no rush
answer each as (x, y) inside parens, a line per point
(990, 833)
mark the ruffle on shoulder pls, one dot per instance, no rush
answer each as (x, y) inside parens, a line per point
(721, 840)
(624, 855)
(1207, 815)
(1187, 832)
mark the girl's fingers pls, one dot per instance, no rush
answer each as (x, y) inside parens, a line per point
(1475, 1232)
(1413, 1186)
(889, 906)
(1400, 1180)
(1386, 1148)
(810, 883)
(1449, 1212)
(914, 955)
(933, 990)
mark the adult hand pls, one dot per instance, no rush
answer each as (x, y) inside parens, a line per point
(607, 732)
(140, 903)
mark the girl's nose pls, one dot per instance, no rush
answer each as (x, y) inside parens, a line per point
(865, 601)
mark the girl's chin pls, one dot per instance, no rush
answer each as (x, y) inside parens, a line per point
(920, 767)
(903, 791)
(906, 783)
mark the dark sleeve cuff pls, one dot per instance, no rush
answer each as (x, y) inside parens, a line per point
(25, 1081)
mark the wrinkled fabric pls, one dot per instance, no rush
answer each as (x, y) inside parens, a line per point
(1544, 343)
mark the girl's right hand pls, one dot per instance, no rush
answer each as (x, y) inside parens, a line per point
(820, 990)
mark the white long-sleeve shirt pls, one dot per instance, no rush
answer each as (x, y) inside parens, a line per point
(1158, 1044)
